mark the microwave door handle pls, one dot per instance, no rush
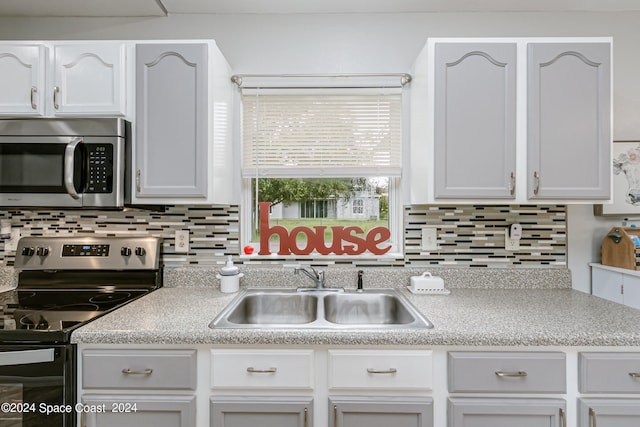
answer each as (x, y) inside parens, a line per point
(69, 167)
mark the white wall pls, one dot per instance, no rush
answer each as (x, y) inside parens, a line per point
(371, 43)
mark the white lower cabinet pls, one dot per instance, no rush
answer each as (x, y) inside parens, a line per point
(320, 386)
(279, 388)
(607, 412)
(380, 411)
(502, 412)
(618, 376)
(616, 284)
(138, 388)
(536, 373)
(138, 410)
(265, 411)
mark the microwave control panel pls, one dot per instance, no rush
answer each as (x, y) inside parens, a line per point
(100, 173)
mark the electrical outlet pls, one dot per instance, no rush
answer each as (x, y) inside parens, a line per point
(182, 241)
(429, 239)
(511, 244)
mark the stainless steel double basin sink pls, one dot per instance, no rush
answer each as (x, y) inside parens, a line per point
(291, 308)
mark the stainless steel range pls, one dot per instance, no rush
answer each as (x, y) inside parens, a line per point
(64, 282)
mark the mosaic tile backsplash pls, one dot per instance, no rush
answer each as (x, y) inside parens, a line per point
(468, 236)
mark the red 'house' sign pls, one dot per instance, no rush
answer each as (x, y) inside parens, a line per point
(345, 240)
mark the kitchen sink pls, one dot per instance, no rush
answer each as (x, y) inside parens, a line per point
(288, 308)
(368, 309)
(274, 309)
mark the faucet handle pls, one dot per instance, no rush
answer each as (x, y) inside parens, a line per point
(360, 274)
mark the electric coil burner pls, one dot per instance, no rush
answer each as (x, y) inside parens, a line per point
(64, 282)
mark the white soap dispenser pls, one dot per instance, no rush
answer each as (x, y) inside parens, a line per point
(229, 277)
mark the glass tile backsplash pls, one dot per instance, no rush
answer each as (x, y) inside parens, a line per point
(468, 236)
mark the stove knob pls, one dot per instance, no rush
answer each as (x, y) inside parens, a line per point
(42, 251)
(125, 251)
(140, 251)
(27, 251)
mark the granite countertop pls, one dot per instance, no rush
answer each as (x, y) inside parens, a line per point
(466, 317)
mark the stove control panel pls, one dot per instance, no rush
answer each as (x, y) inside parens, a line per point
(85, 250)
(90, 253)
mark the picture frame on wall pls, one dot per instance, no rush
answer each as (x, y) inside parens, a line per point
(626, 180)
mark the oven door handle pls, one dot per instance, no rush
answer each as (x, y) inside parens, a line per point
(23, 357)
(69, 167)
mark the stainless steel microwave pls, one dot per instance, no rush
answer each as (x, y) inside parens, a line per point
(64, 163)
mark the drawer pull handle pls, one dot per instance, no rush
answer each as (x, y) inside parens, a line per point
(634, 374)
(563, 417)
(253, 370)
(592, 418)
(517, 374)
(382, 371)
(128, 371)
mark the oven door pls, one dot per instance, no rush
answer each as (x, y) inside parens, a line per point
(34, 381)
(42, 171)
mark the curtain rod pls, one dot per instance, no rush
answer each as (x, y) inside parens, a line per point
(237, 78)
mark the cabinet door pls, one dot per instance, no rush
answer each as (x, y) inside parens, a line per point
(89, 79)
(606, 284)
(499, 412)
(608, 412)
(247, 411)
(171, 121)
(381, 411)
(475, 120)
(631, 291)
(22, 85)
(138, 411)
(569, 120)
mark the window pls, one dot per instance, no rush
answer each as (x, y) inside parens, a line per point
(358, 207)
(328, 161)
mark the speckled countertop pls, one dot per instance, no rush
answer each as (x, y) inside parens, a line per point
(468, 317)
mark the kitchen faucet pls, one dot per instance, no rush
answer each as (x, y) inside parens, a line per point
(316, 276)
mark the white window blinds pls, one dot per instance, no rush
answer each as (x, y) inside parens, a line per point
(302, 134)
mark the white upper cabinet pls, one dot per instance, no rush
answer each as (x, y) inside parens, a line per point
(89, 78)
(475, 120)
(183, 152)
(569, 120)
(63, 79)
(22, 85)
(514, 120)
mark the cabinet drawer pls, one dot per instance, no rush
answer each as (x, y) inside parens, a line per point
(609, 372)
(402, 369)
(262, 369)
(139, 369)
(496, 372)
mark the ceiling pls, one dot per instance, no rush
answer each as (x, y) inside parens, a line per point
(137, 8)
